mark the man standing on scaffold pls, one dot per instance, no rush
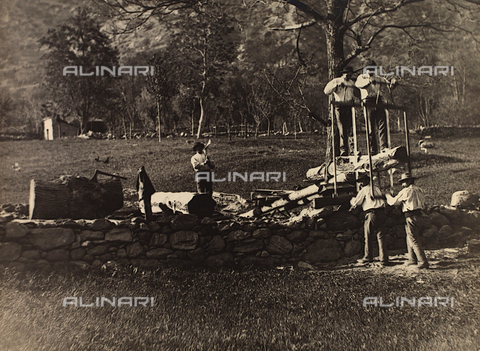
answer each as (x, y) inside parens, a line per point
(344, 90)
(370, 90)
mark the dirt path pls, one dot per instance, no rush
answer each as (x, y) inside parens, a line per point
(450, 261)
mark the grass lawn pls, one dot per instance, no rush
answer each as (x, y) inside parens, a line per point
(453, 165)
(240, 310)
(235, 309)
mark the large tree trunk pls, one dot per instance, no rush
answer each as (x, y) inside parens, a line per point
(159, 122)
(335, 61)
(74, 197)
(200, 120)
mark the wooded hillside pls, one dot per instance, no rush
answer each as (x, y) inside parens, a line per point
(227, 64)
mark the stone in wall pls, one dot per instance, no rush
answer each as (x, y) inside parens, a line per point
(91, 235)
(297, 236)
(323, 251)
(248, 246)
(143, 236)
(51, 238)
(341, 221)
(445, 231)
(430, 232)
(101, 225)
(299, 248)
(57, 255)
(10, 251)
(158, 239)
(344, 236)
(134, 250)
(318, 234)
(197, 255)
(262, 233)
(224, 259)
(237, 235)
(469, 219)
(439, 220)
(451, 213)
(278, 245)
(159, 253)
(15, 230)
(217, 244)
(184, 222)
(154, 226)
(249, 227)
(97, 250)
(119, 234)
(77, 254)
(31, 254)
(352, 248)
(184, 240)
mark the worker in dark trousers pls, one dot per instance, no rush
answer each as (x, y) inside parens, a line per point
(371, 92)
(344, 90)
(412, 199)
(373, 204)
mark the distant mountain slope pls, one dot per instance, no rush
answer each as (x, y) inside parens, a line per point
(23, 23)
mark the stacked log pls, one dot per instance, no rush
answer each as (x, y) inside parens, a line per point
(75, 198)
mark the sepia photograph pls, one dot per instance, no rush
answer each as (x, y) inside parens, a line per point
(240, 175)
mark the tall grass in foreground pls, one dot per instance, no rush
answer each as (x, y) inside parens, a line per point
(239, 310)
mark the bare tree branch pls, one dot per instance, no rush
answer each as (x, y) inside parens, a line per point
(381, 10)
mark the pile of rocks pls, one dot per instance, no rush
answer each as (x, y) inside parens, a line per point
(185, 241)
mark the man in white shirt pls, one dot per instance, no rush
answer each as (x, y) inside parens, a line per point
(373, 204)
(370, 90)
(343, 90)
(202, 165)
(412, 199)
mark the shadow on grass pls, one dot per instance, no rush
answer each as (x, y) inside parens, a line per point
(425, 160)
(460, 263)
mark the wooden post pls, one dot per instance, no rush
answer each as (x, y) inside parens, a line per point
(367, 128)
(389, 142)
(407, 137)
(159, 123)
(355, 146)
(332, 112)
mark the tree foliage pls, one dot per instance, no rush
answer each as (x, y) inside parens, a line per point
(80, 42)
(264, 64)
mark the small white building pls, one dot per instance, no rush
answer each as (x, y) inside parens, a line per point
(55, 128)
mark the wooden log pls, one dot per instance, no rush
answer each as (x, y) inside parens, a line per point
(294, 199)
(75, 198)
(381, 162)
(48, 200)
(201, 205)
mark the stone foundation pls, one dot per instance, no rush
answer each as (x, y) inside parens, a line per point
(184, 241)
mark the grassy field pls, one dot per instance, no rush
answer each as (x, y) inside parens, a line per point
(241, 310)
(453, 165)
(235, 309)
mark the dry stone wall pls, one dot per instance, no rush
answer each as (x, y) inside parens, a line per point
(185, 241)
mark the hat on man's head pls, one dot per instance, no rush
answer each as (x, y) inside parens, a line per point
(406, 177)
(363, 177)
(347, 69)
(198, 146)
